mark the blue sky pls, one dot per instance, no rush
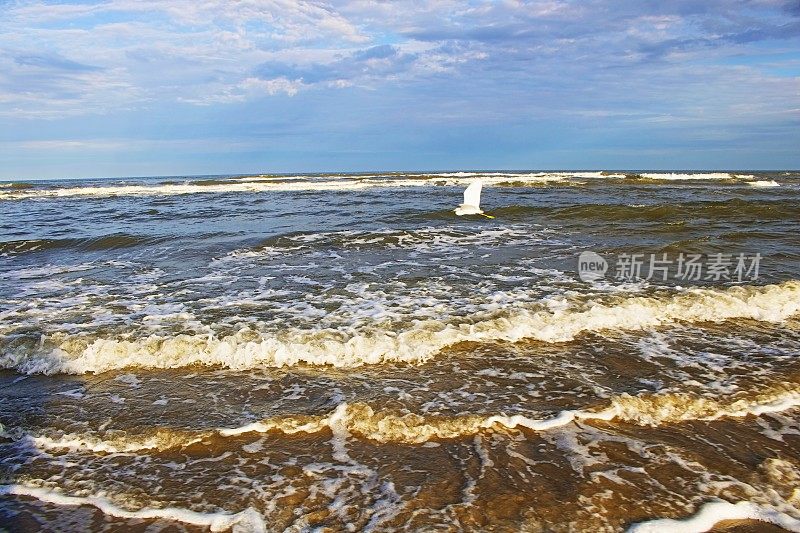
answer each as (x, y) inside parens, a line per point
(151, 87)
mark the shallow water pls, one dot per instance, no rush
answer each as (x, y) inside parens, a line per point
(296, 352)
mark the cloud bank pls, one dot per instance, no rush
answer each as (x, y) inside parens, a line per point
(595, 75)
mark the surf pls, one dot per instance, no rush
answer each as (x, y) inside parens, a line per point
(366, 345)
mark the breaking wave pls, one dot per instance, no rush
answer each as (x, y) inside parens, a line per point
(692, 175)
(360, 420)
(344, 182)
(220, 186)
(763, 183)
(417, 342)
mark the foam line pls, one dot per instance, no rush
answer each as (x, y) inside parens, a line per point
(248, 520)
(362, 421)
(418, 343)
(714, 512)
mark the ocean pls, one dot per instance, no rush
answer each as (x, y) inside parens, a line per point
(340, 352)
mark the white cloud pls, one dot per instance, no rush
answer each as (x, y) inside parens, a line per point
(248, 88)
(96, 57)
(156, 50)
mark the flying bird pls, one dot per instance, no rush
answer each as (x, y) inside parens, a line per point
(472, 201)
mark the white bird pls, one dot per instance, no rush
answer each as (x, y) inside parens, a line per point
(472, 201)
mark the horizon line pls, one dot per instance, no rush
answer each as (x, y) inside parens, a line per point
(426, 171)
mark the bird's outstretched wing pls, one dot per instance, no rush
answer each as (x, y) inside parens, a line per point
(472, 194)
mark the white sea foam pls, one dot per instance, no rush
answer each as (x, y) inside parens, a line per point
(325, 183)
(714, 512)
(597, 175)
(415, 343)
(347, 182)
(43, 271)
(343, 183)
(361, 420)
(160, 441)
(687, 176)
(557, 174)
(247, 521)
(427, 240)
(656, 409)
(764, 183)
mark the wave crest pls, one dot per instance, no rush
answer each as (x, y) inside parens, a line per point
(418, 343)
(360, 420)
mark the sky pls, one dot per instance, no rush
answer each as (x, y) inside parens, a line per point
(199, 87)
